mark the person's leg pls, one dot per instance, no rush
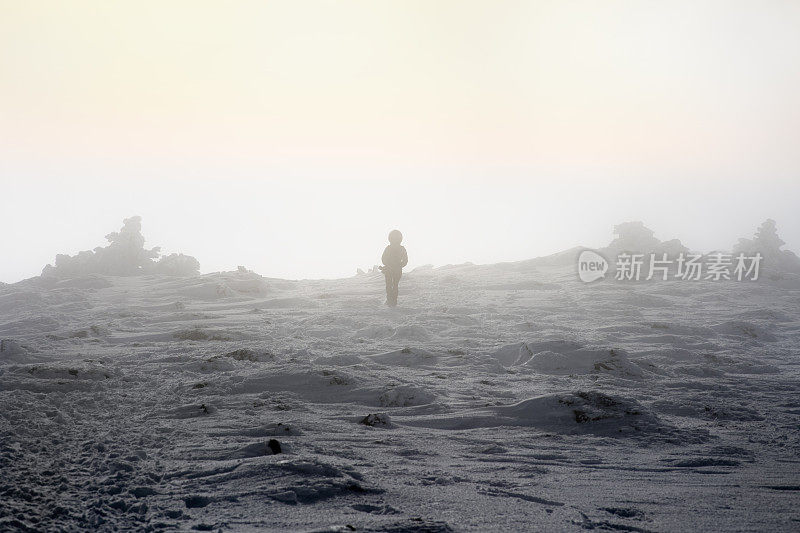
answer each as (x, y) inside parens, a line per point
(387, 273)
(397, 276)
(391, 297)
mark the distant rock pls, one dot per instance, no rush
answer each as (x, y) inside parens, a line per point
(196, 501)
(381, 420)
(257, 449)
(274, 446)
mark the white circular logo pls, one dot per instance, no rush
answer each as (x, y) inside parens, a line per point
(591, 266)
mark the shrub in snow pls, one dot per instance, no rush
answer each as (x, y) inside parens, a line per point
(635, 237)
(125, 255)
(177, 265)
(768, 244)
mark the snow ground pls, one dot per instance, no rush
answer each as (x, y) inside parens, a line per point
(504, 397)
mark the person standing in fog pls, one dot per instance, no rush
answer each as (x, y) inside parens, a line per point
(394, 258)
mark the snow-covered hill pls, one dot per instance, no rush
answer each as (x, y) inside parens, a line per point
(502, 397)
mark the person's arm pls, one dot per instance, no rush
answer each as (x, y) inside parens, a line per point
(385, 255)
(404, 258)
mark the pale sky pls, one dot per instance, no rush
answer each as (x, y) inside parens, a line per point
(290, 137)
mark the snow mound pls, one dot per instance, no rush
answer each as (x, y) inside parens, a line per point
(274, 429)
(411, 333)
(328, 386)
(339, 360)
(218, 286)
(241, 358)
(524, 285)
(513, 354)
(88, 371)
(58, 377)
(290, 482)
(410, 357)
(20, 299)
(11, 351)
(246, 354)
(84, 282)
(209, 365)
(247, 283)
(298, 302)
(374, 332)
(705, 408)
(194, 410)
(590, 411)
(567, 357)
(206, 290)
(33, 325)
(405, 396)
(584, 361)
(580, 412)
(741, 329)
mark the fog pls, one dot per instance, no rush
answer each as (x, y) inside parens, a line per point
(195, 196)
(282, 224)
(291, 140)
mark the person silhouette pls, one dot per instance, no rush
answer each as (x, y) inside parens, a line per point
(394, 258)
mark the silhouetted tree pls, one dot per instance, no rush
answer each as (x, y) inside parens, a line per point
(125, 255)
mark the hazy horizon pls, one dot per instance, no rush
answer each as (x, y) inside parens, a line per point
(290, 138)
(193, 218)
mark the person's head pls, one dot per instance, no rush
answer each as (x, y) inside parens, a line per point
(395, 237)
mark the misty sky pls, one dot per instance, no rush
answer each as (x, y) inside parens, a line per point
(290, 137)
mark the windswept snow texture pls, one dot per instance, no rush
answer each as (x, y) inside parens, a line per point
(508, 397)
